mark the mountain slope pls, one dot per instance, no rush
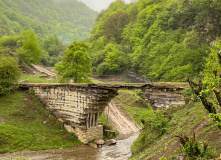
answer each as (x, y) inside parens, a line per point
(69, 19)
(160, 39)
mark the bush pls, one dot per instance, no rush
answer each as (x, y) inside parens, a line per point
(194, 149)
(103, 69)
(9, 74)
(159, 123)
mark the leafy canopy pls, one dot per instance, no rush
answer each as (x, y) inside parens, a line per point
(31, 51)
(75, 64)
(9, 74)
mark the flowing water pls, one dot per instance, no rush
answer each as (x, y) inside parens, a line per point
(120, 151)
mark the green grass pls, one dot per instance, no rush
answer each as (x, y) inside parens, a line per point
(29, 126)
(37, 78)
(184, 119)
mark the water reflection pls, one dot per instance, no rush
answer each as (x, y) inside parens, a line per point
(120, 151)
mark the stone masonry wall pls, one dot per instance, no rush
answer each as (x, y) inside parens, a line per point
(77, 107)
(163, 97)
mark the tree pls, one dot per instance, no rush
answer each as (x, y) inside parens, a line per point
(208, 90)
(30, 52)
(9, 74)
(75, 64)
(114, 25)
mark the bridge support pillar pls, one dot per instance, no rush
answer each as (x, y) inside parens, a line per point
(86, 134)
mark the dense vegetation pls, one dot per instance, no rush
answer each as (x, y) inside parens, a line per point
(155, 38)
(160, 137)
(9, 74)
(38, 31)
(68, 19)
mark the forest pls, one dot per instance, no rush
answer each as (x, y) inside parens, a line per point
(69, 19)
(39, 31)
(162, 40)
(159, 39)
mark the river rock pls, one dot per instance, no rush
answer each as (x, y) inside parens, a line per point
(93, 145)
(99, 141)
(110, 142)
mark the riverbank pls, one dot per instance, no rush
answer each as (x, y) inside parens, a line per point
(120, 151)
(26, 125)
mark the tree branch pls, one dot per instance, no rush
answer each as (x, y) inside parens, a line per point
(208, 105)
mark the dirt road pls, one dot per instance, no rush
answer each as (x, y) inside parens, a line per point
(120, 121)
(44, 70)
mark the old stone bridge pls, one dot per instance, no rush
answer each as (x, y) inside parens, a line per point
(78, 106)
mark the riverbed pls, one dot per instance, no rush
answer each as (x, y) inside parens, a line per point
(120, 151)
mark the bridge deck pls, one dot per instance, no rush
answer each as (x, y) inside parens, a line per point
(114, 86)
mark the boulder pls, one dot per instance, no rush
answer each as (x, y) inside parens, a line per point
(110, 142)
(93, 145)
(99, 141)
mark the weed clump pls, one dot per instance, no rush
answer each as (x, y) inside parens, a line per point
(193, 149)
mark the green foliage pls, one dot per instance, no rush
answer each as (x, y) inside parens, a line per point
(185, 119)
(103, 69)
(114, 24)
(53, 50)
(155, 127)
(159, 39)
(9, 74)
(212, 64)
(10, 43)
(216, 119)
(195, 149)
(75, 64)
(159, 123)
(69, 19)
(212, 80)
(30, 52)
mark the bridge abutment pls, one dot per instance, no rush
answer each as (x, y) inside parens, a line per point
(165, 95)
(77, 107)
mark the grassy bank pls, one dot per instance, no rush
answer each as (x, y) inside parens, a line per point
(37, 78)
(133, 105)
(152, 143)
(26, 125)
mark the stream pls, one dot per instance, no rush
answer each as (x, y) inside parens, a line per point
(120, 151)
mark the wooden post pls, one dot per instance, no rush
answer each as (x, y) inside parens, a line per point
(97, 118)
(87, 121)
(93, 119)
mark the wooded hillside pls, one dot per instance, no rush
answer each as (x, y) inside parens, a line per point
(155, 37)
(68, 19)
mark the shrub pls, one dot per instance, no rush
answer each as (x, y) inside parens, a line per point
(189, 96)
(9, 74)
(159, 123)
(193, 149)
(103, 69)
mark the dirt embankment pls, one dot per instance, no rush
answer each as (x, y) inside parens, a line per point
(43, 70)
(120, 121)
